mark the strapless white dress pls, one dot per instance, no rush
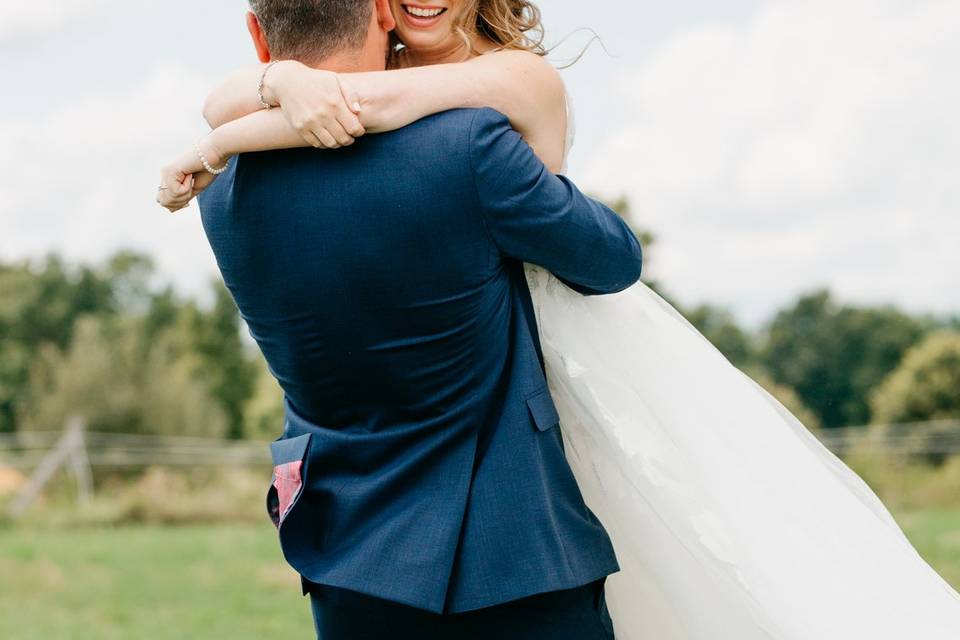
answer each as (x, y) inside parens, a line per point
(729, 518)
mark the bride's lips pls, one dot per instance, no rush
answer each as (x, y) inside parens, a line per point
(422, 16)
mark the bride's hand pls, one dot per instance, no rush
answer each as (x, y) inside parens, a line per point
(185, 177)
(317, 103)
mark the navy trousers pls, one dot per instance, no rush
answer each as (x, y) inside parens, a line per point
(579, 613)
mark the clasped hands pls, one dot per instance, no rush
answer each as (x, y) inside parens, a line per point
(321, 106)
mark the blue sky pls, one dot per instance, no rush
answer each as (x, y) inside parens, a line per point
(772, 146)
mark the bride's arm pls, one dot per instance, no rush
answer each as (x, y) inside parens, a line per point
(521, 85)
(332, 122)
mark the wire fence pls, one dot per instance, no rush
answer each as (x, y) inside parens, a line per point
(934, 438)
(40, 454)
(25, 450)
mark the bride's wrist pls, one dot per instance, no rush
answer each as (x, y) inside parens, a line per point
(212, 148)
(276, 80)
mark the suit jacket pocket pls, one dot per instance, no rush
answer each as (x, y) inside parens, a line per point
(542, 409)
(286, 485)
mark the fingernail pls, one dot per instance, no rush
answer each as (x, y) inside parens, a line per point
(356, 107)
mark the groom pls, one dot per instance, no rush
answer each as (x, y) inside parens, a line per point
(420, 484)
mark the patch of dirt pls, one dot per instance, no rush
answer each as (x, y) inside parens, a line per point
(10, 480)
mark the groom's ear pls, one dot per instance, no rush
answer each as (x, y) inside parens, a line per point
(259, 40)
(385, 15)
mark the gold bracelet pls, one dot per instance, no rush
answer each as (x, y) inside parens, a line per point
(263, 76)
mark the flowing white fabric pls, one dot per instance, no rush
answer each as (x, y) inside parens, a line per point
(729, 518)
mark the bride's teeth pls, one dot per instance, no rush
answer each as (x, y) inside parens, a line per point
(424, 13)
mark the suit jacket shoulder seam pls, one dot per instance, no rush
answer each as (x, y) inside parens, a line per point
(476, 187)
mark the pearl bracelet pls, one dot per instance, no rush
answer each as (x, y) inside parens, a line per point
(206, 165)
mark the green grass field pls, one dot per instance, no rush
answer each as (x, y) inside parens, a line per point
(146, 582)
(222, 581)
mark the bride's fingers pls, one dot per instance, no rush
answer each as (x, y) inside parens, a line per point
(168, 178)
(174, 182)
(313, 139)
(165, 195)
(201, 181)
(179, 203)
(172, 200)
(177, 195)
(348, 114)
(183, 184)
(329, 124)
(326, 139)
(176, 188)
(340, 134)
(349, 121)
(171, 204)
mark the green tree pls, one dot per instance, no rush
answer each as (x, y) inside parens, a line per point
(621, 206)
(39, 305)
(647, 240)
(834, 355)
(43, 304)
(264, 412)
(105, 376)
(721, 328)
(788, 398)
(128, 276)
(926, 385)
(14, 365)
(223, 361)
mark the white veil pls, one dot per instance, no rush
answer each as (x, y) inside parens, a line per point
(729, 518)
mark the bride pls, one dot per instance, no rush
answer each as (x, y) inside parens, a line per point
(730, 520)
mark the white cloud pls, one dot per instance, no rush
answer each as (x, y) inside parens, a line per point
(814, 145)
(42, 16)
(81, 179)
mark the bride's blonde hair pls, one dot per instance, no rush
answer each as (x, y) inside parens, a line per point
(509, 24)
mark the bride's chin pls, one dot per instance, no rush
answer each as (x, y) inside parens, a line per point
(430, 49)
(421, 41)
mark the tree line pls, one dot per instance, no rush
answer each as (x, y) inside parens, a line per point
(835, 364)
(136, 357)
(133, 357)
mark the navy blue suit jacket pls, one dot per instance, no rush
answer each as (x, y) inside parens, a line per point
(384, 284)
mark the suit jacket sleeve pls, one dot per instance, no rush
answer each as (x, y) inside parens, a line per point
(536, 216)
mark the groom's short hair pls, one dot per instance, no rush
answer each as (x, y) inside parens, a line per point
(312, 30)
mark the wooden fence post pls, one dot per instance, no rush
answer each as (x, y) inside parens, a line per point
(70, 448)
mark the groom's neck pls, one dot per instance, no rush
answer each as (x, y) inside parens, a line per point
(365, 59)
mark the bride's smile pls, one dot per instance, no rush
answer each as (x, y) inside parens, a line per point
(419, 16)
(430, 28)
